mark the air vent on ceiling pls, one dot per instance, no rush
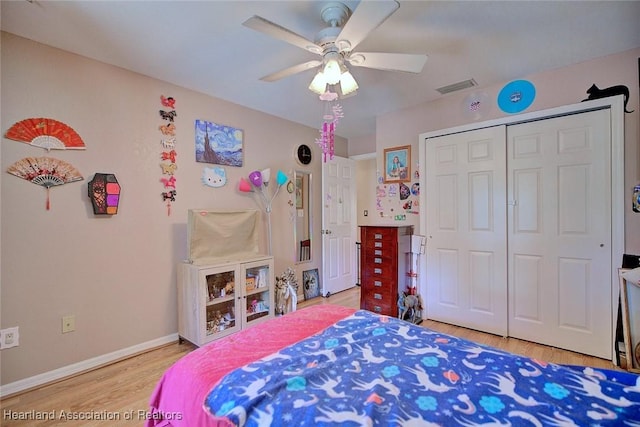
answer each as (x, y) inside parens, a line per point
(465, 84)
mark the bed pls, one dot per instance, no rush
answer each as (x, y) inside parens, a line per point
(332, 365)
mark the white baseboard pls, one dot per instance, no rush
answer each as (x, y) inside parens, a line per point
(85, 365)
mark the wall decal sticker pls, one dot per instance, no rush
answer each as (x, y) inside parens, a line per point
(595, 92)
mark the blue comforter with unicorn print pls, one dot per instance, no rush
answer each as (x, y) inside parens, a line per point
(372, 370)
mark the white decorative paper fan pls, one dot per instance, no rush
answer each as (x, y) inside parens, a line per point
(46, 172)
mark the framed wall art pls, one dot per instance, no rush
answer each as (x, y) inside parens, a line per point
(311, 283)
(397, 164)
(218, 144)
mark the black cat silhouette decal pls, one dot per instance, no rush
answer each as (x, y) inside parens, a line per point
(595, 92)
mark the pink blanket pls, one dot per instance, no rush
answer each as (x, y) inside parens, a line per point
(179, 396)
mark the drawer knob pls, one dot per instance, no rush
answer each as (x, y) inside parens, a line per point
(377, 283)
(377, 260)
(377, 296)
(377, 309)
(377, 271)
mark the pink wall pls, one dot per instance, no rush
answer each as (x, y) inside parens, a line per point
(117, 274)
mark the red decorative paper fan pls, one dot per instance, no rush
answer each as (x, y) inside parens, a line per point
(45, 171)
(46, 133)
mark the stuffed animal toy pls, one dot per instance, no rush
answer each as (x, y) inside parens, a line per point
(286, 292)
(280, 297)
(410, 308)
(228, 288)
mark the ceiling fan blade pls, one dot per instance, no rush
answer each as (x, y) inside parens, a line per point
(279, 32)
(411, 63)
(291, 71)
(367, 17)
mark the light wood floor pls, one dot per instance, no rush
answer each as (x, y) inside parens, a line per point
(123, 388)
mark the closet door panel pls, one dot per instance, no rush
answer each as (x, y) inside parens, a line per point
(527, 191)
(481, 216)
(466, 229)
(573, 199)
(446, 189)
(575, 294)
(482, 276)
(560, 214)
(526, 295)
(447, 281)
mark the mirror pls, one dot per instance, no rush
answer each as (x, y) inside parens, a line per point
(303, 220)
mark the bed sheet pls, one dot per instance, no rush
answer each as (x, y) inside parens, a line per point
(374, 370)
(178, 398)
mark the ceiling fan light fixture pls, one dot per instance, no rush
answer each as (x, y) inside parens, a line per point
(332, 71)
(318, 84)
(347, 83)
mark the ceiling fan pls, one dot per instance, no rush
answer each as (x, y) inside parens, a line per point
(336, 44)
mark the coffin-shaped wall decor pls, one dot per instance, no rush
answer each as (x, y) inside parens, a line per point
(104, 192)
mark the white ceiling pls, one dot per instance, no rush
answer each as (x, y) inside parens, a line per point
(203, 46)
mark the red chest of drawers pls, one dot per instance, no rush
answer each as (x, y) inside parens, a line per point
(379, 266)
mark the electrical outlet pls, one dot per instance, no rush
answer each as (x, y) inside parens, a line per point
(9, 337)
(68, 324)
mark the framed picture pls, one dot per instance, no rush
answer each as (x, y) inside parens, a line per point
(299, 192)
(218, 144)
(397, 164)
(310, 283)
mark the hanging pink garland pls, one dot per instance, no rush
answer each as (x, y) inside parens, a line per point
(333, 114)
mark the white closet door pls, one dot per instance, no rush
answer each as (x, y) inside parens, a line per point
(560, 232)
(466, 229)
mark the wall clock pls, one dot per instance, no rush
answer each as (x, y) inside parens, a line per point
(303, 154)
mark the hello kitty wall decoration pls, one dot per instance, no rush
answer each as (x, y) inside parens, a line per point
(214, 177)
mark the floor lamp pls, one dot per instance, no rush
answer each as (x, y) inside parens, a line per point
(260, 181)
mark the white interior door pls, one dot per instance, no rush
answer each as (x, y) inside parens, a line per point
(339, 225)
(466, 229)
(560, 232)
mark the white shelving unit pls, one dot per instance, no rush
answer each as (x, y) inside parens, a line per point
(220, 298)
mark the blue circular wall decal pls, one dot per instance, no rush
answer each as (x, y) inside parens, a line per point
(516, 96)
